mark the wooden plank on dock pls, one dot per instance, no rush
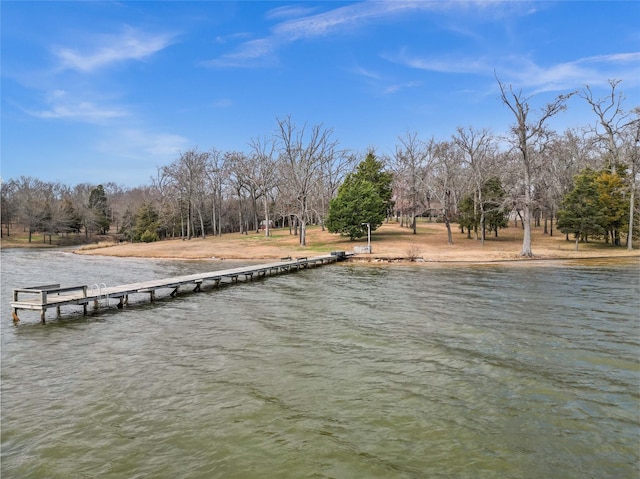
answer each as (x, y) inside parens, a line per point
(41, 298)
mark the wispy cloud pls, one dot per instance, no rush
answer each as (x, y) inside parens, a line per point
(526, 73)
(62, 106)
(131, 44)
(449, 64)
(402, 86)
(381, 84)
(222, 103)
(140, 144)
(249, 54)
(366, 73)
(595, 70)
(301, 23)
(349, 16)
(256, 52)
(289, 11)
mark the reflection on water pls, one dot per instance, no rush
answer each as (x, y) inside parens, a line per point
(342, 371)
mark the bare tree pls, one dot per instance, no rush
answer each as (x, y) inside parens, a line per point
(31, 203)
(302, 153)
(616, 124)
(239, 167)
(215, 177)
(632, 147)
(612, 118)
(446, 173)
(8, 204)
(264, 174)
(334, 170)
(478, 149)
(166, 197)
(564, 158)
(58, 217)
(413, 158)
(529, 136)
(188, 175)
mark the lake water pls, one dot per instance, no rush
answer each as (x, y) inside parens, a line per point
(344, 371)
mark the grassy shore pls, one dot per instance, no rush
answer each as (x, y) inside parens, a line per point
(389, 243)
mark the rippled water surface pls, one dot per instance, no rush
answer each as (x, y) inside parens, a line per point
(344, 371)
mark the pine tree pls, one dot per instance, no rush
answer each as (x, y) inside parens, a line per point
(583, 212)
(495, 216)
(147, 224)
(612, 191)
(99, 210)
(364, 197)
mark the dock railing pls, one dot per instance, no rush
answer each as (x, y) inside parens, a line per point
(42, 297)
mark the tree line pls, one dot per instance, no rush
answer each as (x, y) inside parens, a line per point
(582, 182)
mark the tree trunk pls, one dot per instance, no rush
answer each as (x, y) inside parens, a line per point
(303, 233)
(631, 205)
(189, 221)
(526, 220)
(267, 230)
(214, 224)
(201, 223)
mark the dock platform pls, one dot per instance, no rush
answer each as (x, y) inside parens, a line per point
(41, 298)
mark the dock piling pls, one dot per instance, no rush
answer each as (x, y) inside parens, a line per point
(43, 297)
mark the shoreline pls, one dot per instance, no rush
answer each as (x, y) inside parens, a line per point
(391, 244)
(363, 260)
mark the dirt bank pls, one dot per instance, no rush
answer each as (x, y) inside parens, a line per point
(389, 243)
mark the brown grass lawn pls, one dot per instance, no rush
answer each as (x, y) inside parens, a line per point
(389, 243)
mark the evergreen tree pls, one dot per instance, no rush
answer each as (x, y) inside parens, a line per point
(74, 219)
(100, 219)
(495, 217)
(147, 224)
(364, 197)
(467, 216)
(612, 190)
(371, 169)
(127, 229)
(583, 213)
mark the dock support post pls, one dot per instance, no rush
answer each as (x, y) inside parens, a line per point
(152, 295)
(174, 292)
(198, 284)
(120, 304)
(15, 315)
(84, 309)
(42, 312)
(57, 311)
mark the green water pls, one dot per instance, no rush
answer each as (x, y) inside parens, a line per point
(338, 372)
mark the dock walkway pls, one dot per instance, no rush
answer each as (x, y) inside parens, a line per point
(41, 298)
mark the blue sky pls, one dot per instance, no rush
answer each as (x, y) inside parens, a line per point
(109, 91)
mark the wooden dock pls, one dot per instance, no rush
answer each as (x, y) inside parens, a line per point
(41, 298)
